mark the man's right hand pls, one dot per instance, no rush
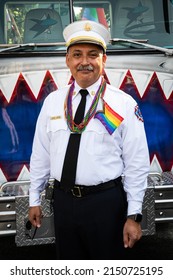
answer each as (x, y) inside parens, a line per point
(35, 216)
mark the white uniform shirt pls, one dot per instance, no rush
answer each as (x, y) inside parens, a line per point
(102, 156)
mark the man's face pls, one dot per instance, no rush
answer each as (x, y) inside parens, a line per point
(86, 63)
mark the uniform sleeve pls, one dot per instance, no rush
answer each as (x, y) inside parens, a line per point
(135, 158)
(40, 159)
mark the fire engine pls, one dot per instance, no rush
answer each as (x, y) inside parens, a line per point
(32, 64)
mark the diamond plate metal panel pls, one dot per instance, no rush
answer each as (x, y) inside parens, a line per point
(148, 221)
(44, 234)
(167, 178)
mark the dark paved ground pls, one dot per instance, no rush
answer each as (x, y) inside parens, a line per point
(156, 247)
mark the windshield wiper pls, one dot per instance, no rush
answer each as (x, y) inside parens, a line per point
(136, 42)
(29, 46)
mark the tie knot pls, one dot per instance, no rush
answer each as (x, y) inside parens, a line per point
(83, 92)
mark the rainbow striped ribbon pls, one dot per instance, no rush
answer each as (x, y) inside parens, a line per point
(109, 118)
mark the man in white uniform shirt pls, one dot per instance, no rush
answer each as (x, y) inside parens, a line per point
(97, 216)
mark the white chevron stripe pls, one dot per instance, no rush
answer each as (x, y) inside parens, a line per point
(141, 79)
(3, 179)
(166, 82)
(61, 77)
(7, 84)
(24, 174)
(34, 80)
(155, 166)
(116, 76)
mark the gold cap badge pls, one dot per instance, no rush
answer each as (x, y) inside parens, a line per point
(87, 27)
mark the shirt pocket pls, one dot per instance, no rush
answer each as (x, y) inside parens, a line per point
(55, 125)
(57, 131)
(98, 141)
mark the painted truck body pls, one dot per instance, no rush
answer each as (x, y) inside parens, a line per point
(32, 64)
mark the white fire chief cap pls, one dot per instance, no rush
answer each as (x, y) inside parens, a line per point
(86, 31)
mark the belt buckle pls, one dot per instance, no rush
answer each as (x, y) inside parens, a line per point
(76, 191)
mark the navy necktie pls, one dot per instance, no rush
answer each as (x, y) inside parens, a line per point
(70, 162)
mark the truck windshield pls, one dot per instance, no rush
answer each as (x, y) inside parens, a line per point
(23, 22)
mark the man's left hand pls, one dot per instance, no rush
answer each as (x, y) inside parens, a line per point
(132, 233)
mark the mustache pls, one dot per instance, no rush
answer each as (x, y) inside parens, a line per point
(86, 67)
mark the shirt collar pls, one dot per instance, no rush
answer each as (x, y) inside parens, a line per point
(91, 89)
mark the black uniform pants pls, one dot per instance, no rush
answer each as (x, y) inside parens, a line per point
(90, 227)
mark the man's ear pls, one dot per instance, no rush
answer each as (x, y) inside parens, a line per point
(104, 59)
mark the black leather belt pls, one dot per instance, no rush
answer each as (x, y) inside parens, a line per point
(80, 190)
